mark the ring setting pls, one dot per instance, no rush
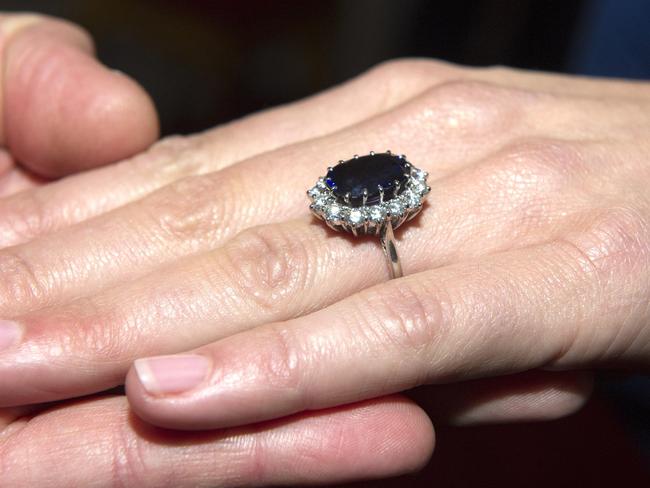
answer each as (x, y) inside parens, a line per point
(372, 194)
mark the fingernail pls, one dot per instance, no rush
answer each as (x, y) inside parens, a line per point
(162, 375)
(10, 333)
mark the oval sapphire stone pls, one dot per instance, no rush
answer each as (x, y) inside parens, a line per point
(368, 172)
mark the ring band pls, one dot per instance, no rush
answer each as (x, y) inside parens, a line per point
(372, 194)
(387, 239)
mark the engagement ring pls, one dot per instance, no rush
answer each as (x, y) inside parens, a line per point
(372, 194)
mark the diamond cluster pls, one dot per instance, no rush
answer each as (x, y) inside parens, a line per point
(369, 219)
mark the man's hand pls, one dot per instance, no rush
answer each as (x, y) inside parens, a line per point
(61, 110)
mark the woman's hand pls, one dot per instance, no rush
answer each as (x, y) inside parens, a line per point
(534, 231)
(63, 112)
(532, 254)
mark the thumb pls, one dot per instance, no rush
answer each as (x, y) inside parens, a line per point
(61, 110)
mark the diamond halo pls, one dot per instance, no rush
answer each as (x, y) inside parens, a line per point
(401, 204)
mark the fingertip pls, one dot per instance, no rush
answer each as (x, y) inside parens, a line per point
(377, 438)
(63, 110)
(413, 429)
(532, 396)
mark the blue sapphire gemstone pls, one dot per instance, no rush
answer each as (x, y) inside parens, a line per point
(368, 172)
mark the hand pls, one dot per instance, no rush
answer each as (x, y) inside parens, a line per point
(62, 111)
(186, 258)
(544, 263)
(99, 442)
(332, 445)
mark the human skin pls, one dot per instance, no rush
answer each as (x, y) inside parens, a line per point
(62, 111)
(527, 267)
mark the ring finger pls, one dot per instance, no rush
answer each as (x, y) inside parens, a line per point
(274, 272)
(199, 213)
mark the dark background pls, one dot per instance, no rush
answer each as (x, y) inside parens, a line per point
(207, 62)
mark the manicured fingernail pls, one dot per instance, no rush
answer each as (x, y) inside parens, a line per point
(163, 375)
(10, 333)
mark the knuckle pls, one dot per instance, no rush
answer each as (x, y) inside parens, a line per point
(269, 265)
(24, 218)
(461, 89)
(609, 263)
(465, 106)
(396, 72)
(190, 212)
(617, 245)
(174, 157)
(21, 284)
(395, 77)
(543, 161)
(403, 314)
(526, 178)
(279, 362)
(90, 335)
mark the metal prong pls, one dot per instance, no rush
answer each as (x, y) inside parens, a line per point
(341, 161)
(347, 198)
(402, 156)
(356, 156)
(329, 168)
(397, 187)
(372, 153)
(381, 193)
(388, 151)
(365, 196)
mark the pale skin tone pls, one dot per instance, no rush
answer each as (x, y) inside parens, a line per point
(528, 267)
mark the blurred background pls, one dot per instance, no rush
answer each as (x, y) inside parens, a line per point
(207, 62)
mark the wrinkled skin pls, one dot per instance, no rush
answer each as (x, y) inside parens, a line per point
(528, 266)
